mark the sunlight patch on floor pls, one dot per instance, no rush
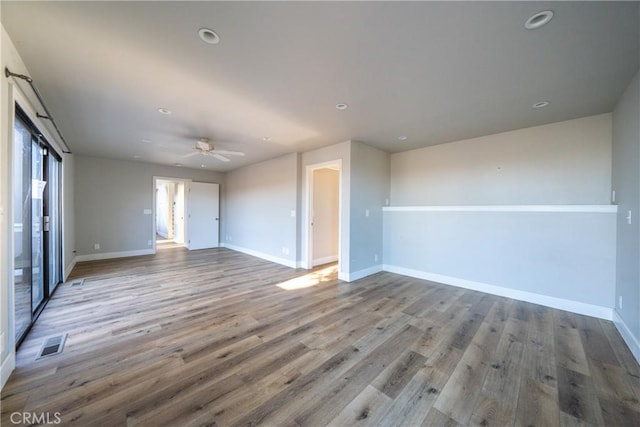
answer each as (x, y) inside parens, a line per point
(308, 280)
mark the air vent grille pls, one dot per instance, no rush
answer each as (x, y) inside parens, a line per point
(51, 346)
(77, 282)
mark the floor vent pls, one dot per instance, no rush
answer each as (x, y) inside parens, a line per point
(77, 282)
(51, 346)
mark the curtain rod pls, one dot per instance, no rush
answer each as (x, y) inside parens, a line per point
(47, 115)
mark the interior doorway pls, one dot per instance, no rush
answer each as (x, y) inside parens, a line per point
(170, 213)
(323, 228)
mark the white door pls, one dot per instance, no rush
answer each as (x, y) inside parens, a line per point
(203, 206)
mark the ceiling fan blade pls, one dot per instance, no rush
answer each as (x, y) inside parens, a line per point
(229, 153)
(221, 158)
(195, 153)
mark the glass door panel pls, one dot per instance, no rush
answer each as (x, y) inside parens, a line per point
(37, 237)
(53, 229)
(22, 187)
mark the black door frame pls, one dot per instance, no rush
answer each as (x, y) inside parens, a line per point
(50, 152)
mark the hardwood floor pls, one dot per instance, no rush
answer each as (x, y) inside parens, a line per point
(216, 337)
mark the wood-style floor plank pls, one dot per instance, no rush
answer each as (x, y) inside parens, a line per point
(216, 337)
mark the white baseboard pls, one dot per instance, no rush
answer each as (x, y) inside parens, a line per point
(325, 260)
(627, 335)
(549, 301)
(110, 255)
(265, 256)
(357, 275)
(8, 365)
(69, 268)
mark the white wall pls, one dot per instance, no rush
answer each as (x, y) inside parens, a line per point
(12, 91)
(7, 357)
(559, 258)
(626, 183)
(259, 201)
(561, 163)
(326, 215)
(111, 197)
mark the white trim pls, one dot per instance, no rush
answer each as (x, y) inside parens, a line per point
(549, 301)
(628, 337)
(357, 275)
(69, 268)
(8, 365)
(110, 255)
(507, 208)
(265, 256)
(325, 260)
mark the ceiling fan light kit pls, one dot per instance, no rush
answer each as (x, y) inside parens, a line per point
(206, 148)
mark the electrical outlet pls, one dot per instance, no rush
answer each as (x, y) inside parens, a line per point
(229, 238)
(375, 257)
(148, 242)
(613, 196)
(366, 212)
(629, 217)
(620, 302)
(293, 213)
(96, 246)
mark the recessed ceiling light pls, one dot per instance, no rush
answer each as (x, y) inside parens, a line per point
(540, 104)
(538, 20)
(266, 138)
(201, 166)
(402, 138)
(178, 164)
(164, 111)
(341, 106)
(146, 141)
(136, 157)
(208, 36)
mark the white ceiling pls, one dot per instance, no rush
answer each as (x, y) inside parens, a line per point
(433, 71)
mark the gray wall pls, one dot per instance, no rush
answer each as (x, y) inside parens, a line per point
(110, 199)
(561, 163)
(258, 202)
(68, 212)
(626, 183)
(369, 192)
(558, 254)
(563, 255)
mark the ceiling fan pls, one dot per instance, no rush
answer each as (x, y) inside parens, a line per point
(205, 148)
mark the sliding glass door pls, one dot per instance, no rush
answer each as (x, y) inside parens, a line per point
(36, 223)
(22, 227)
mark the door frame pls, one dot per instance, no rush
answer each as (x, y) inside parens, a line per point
(307, 250)
(21, 107)
(186, 183)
